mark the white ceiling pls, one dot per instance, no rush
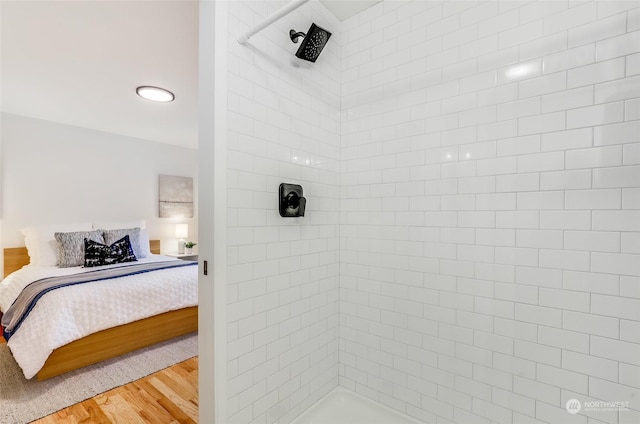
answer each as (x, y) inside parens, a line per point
(344, 9)
(79, 63)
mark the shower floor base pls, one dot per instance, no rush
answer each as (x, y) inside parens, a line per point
(342, 406)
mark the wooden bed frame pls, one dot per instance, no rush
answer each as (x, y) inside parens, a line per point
(114, 341)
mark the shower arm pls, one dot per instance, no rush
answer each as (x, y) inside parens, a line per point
(295, 35)
(286, 9)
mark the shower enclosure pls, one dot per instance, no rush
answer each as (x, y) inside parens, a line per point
(470, 250)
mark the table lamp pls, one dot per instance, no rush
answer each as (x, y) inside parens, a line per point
(182, 232)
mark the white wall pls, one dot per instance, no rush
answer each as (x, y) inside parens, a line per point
(283, 123)
(212, 243)
(55, 173)
(491, 231)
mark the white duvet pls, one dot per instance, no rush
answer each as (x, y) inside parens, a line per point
(70, 313)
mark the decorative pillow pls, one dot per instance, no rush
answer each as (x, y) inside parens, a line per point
(71, 246)
(111, 236)
(98, 254)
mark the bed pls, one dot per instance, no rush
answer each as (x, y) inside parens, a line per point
(112, 341)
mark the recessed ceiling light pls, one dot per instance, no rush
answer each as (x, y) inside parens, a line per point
(155, 94)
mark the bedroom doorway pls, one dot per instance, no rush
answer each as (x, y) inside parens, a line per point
(69, 74)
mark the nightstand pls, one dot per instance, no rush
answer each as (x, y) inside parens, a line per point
(184, 256)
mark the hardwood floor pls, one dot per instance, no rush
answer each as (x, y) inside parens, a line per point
(167, 396)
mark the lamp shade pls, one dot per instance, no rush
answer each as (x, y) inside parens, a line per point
(182, 231)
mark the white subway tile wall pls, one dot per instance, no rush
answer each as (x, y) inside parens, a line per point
(283, 287)
(489, 209)
(471, 250)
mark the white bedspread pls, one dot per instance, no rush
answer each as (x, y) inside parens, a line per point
(70, 313)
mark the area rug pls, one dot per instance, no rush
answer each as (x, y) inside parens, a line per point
(22, 401)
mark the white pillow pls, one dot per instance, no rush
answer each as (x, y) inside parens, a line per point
(117, 225)
(41, 241)
(144, 242)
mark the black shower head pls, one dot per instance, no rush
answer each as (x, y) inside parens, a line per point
(313, 43)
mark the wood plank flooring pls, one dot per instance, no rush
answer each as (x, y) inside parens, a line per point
(168, 396)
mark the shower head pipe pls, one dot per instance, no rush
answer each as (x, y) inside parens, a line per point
(284, 10)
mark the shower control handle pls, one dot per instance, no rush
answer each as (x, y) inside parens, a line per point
(291, 201)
